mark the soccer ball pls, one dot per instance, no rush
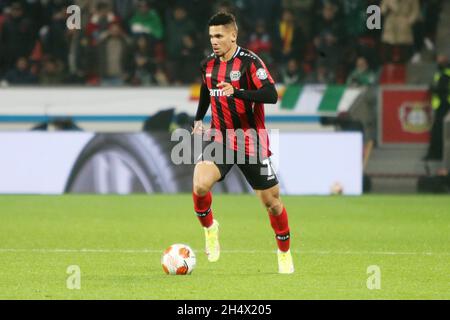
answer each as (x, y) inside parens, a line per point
(336, 189)
(178, 259)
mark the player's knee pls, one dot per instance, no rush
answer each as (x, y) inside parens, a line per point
(274, 206)
(201, 187)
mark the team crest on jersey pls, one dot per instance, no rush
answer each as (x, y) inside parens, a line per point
(235, 75)
(261, 73)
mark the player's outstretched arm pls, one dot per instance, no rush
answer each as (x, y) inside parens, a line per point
(266, 94)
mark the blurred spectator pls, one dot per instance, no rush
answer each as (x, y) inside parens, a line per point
(261, 42)
(147, 21)
(321, 75)
(178, 25)
(301, 10)
(20, 74)
(160, 76)
(440, 91)
(18, 35)
(144, 65)
(91, 5)
(124, 9)
(88, 8)
(42, 12)
(54, 36)
(114, 57)
(400, 16)
(227, 6)
(3, 4)
(187, 64)
(328, 34)
(320, 39)
(100, 21)
(354, 16)
(431, 12)
(180, 40)
(362, 75)
(200, 11)
(425, 28)
(291, 36)
(236, 8)
(52, 72)
(81, 57)
(291, 73)
(268, 11)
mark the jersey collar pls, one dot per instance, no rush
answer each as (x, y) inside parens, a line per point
(237, 51)
(234, 56)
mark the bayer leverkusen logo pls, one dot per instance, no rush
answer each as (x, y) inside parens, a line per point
(415, 117)
(235, 75)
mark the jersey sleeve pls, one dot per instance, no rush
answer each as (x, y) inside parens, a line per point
(203, 72)
(203, 67)
(260, 75)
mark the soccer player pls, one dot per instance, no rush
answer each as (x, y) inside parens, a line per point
(237, 84)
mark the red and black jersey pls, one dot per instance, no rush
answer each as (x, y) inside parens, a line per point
(244, 71)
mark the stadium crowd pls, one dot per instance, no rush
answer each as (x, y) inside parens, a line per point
(144, 42)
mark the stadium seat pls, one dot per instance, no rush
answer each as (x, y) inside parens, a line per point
(420, 73)
(393, 74)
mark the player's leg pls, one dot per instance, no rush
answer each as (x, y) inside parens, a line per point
(264, 181)
(206, 174)
(277, 215)
(280, 225)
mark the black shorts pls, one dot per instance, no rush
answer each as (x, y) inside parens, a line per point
(258, 172)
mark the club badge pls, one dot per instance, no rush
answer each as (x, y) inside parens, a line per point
(235, 75)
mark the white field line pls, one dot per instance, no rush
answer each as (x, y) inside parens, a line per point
(143, 251)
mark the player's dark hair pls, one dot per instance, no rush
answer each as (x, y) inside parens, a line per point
(222, 19)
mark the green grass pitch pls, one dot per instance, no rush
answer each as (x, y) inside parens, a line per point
(117, 242)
